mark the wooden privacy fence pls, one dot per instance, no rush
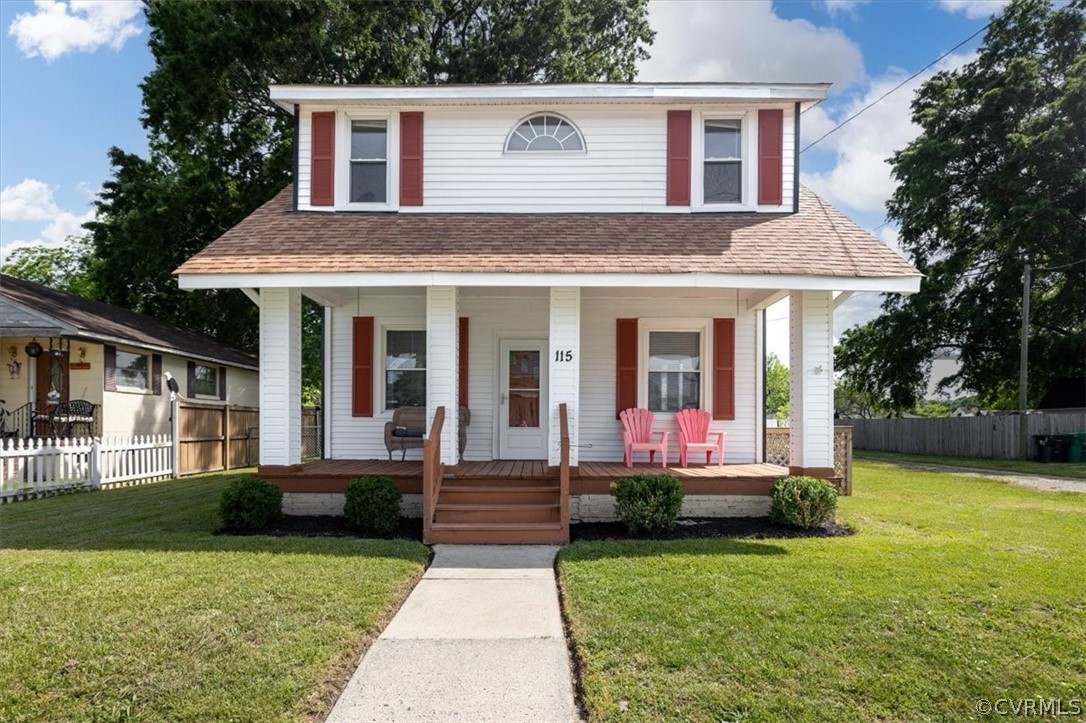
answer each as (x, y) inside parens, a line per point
(34, 467)
(777, 452)
(990, 436)
(216, 437)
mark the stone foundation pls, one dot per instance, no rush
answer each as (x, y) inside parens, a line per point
(601, 508)
(331, 503)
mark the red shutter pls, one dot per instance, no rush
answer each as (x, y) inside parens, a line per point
(626, 362)
(723, 368)
(770, 157)
(322, 168)
(463, 353)
(362, 367)
(411, 159)
(109, 377)
(678, 158)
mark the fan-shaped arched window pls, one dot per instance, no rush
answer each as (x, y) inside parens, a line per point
(545, 132)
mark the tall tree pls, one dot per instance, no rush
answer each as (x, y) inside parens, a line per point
(996, 180)
(66, 267)
(777, 394)
(219, 147)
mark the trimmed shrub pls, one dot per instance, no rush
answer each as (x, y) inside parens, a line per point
(251, 504)
(802, 501)
(373, 505)
(648, 503)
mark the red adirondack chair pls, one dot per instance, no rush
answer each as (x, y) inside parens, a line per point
(694, 435)
(637, 436)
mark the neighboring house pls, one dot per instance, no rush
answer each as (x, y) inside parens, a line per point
(59, 348)
(513, 248)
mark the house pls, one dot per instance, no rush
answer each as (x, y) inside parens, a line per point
(61, 350)
(523, 250)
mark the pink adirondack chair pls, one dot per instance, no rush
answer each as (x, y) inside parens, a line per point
(637, 436)
(694, 436)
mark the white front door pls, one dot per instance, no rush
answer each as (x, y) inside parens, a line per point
(522, 413)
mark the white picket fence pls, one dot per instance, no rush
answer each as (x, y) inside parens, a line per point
(35, 467)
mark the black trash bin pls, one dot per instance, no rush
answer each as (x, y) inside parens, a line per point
(1042, 448)
(1061, 446)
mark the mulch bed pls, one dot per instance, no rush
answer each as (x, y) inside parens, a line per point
(690, 528)
(329, 526)
(696, 528)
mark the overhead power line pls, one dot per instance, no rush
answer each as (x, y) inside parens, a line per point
(875, 102)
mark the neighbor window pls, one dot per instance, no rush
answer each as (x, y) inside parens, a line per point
(674, 370)
(369, 161)
(132, 370)
(723, 166)
(544, 132)
(206, 381)
(405, 369)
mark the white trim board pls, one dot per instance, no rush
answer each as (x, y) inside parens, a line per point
(891, 284)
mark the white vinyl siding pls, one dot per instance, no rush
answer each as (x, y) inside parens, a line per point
(623, 169)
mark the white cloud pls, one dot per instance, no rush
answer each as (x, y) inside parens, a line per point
(745, 41)
(56, 28)
(860, 179)
(974, 8)
(32, 201)
(842, 7)
(28, 200)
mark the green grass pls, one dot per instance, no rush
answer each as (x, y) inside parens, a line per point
(122, 606)
(954, 589)
(1075, 471)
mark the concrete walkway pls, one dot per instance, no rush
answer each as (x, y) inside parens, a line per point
(480, 638)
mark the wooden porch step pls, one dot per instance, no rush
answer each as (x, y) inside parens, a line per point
(497, 533)
(498, 494)
(452, 481)
(488, 513)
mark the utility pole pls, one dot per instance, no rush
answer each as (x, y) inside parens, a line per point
(1023, 371)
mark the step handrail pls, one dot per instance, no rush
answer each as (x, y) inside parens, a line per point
(433, 471)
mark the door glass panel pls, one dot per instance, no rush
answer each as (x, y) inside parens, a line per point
(524, 390)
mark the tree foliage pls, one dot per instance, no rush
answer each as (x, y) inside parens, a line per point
(996, 179)
(777, 392)
(66, 267)
(219, 147)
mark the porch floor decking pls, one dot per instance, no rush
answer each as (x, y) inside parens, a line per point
(532, 469)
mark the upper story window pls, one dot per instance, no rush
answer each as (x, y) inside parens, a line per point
(545, 132)
(723, 166)
(369, 161)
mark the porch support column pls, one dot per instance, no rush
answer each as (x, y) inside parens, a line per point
(442, 367)
(810, 322)
(564, 369)
(280, 377)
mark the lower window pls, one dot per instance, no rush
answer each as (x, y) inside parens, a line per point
(132, 370)
(405, 369)
(674, 371)
(207, 381)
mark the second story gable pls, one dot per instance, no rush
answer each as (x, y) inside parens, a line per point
(591, 148)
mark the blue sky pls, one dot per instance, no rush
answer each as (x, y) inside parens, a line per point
(70, 74)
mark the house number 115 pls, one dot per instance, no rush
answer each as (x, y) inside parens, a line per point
(563, 355)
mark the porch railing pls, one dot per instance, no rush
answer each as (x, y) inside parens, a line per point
(777, 452)
(563, 470)
(433, 471)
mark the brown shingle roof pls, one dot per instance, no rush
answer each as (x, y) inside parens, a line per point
(819, 240)
(102, 321)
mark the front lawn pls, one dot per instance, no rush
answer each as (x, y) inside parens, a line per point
(121, 605)
(1008, 466)
(954, 589)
